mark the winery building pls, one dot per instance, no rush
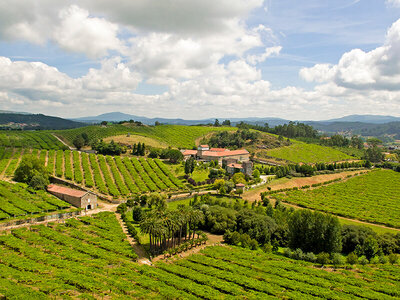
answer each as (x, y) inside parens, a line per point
(77, 198)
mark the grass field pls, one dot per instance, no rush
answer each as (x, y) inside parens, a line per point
(115, 176)
(17, 201)
(30, 139)
(372, 197)
(172, 135)
(90, 258)
(134, 139)
(300, 152)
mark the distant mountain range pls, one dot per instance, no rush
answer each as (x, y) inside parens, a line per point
(118, 116)
(367, 125)
(34, 122)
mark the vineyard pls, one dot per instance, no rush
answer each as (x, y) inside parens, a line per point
(372, 197)
(16, 201)
(30, 139)
(115, 176)
(174, 135)
(89, 257)
(300, 152)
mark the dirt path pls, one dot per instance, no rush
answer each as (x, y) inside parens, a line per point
(70, 148)
(254, 195)
(212, 240)
(141, 253)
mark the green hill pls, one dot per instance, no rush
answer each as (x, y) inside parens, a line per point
(178, 136)
(299, 152)
(373, 197)
(35, 122)
(90, 258)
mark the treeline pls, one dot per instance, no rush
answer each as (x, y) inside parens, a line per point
(264, 225)
(238, 139)
(310, 170)
(291, 130)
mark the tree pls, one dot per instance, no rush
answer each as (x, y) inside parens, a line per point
(39, 182)
(226, 123)
(239, 178)
(256, 174)
(30, 167)
(190, 165)
(79, 142)
(314, 232)
(85, 138)
(216, 123)
(104, 123)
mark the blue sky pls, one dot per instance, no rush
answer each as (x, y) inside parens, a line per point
(199, 59)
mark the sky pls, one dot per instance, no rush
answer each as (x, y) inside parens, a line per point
(197, 59)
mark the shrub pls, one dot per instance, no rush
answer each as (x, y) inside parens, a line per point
(310, 256)
(298, 254)
(393, 258)
(363, 260)
(323, 258)
(338, 259)
(39, 182)
(267, 248)
(352, 258)
(383, 259)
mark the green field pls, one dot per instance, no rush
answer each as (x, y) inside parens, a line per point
(90, 258)
(300, 152)
(16, 201)
(174, 135)
(115, 176)
(30, 139)
(372, 197)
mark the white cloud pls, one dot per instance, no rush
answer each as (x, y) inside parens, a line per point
(78, 32)
(395, 3)
(378, 69)
(185, 17)
(271, 51)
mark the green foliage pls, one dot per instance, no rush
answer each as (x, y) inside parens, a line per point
(173, 135)
(238, 139)
(323, 258)
(315, 232)
(17, 200)
(30, 139)
(371, 197)
(29, 168)
(300, 152)
(352, 258)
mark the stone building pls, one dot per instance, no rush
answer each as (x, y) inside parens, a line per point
(77, 198)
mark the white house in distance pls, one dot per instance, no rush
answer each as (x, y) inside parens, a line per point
(233, 160)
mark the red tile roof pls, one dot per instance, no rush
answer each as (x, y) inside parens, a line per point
(240, 185)
(236, 166)
(189, 152)
(204, 146)
(219, 149)
(66, 191)
(226, 153)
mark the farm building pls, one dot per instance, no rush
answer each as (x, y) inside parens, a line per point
(205, 153)
(77, 198)
(235, 167)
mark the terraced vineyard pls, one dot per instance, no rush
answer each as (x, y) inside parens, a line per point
(113, 176)
(16, 201)
(30, 139)
(372, 197)
(90, 258)
(174, 135)
(300, 152)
